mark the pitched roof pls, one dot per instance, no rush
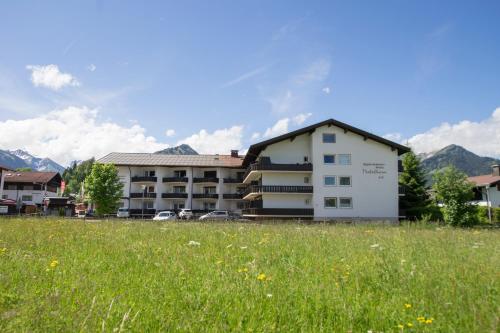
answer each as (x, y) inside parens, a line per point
(31, 177)
(485, 180)
(255, 149)
(145, 159)
(4, 168)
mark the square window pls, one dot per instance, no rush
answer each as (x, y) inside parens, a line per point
(180, 173)
(330, 202)
(329, 159)
(329, 138)
(27, 198)
(345, 181)
(179, 189)
(345, 202)
(306, 180)
(330, 181)
(345, 159)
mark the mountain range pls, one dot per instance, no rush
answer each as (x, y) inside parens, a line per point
(18, 158)
(461, 158)
(178, 150)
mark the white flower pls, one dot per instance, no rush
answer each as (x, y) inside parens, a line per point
(374, 246)
(269, 295)
(243, 247)
(194, 243)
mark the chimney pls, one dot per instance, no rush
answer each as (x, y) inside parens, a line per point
(234, 153)
(495, 170)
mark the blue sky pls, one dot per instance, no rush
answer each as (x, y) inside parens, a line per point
(223, 74)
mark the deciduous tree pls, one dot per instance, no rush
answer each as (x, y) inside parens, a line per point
(104, 188)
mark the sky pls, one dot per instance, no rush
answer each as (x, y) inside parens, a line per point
(81, 79)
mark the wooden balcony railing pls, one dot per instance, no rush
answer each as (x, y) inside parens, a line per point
(175, 179)
(277, 189)
(205, 180)
(143, 195)
(174, 195)
(144, 179)
(205, 196)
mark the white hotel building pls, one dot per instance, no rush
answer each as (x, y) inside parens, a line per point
(329, 170)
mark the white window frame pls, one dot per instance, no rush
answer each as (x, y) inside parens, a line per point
(339, 159)
(350, 181)
(324, 180)
(334, 159)
(340, 206)
(336, 203)
(334, 137)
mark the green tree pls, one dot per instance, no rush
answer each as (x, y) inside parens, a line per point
(412, 179)
(454, 191)
(75, 175)
(104, 188)
(24, 169)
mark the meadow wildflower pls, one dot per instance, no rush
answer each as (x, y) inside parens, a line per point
(401, 326)
(194, 243)
(3, 250)
(374, 246)
(261, 277)
(429, 321)
(243, 270)
(218, 262)
(407, 305)
(269, 295)
(409, 324)
(53, 264)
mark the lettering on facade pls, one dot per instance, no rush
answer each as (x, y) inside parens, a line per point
(374, 169)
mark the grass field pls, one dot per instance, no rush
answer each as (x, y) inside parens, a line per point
(60, 275)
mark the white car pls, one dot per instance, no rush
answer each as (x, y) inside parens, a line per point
(122, 212)
(186, 214)
(165, 216)
(216, 215)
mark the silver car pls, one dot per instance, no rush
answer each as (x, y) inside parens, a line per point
(165, 216)
(216, 215)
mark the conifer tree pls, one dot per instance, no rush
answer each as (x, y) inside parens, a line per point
(412, 179)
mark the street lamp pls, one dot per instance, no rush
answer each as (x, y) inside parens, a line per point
(143, 188)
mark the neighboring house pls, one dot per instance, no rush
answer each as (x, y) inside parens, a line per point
(329, 170)
(154, 182)
(487, 188)
(30, 187)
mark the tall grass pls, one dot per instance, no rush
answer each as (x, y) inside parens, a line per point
(59, 275)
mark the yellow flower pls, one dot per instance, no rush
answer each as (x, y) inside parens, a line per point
(407, 305)
(409, 324)
(219, 262)
(421, 319)
(400, 326)
(428, 321)
(3, 250)
(243, 270)
(261, 277)
(54, 264)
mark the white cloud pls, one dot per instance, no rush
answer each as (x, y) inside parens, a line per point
(281, 103)
(91, 67)
(170, 133)
(482, 137)
(50, 77)
(326, 90)
(255, 136)
(220, 141)
(317, 71)
(74, 133)
(301, 118)
(245, 76)
(280, 127)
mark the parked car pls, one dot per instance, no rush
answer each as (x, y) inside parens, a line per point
(216, 215)
(81, 214)
(165, 216)
(122, 212)
(186, 214)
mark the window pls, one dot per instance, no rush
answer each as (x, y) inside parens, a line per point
(27, 198)
(345, 181)
(5, 196)
(307, 202)
(306, 180)
(329, 138)
(306, 159)
(330, 202)
(179, 189)
(11, 187)
(179, 205)
(330, 180)
(148, 204)
(210, 174)
(180, 173)
(209, 205)
(149, 173)
(329, 159)
(240, 174)
(345, 202)
(150, 189)
(209, 190)
(345, 159)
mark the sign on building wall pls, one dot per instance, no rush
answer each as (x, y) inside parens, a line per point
(374, 169)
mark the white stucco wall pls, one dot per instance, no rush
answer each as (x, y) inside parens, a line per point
(286, 152)
(373, 195)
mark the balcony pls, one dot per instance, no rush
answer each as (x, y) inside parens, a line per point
(140, 195)
(205, 196)
(233, 180)
(174, 195)
(205, 180)
(253, 170)
(175, 179)
(144, 179)
(278, 212)
(232, 196)
(256, 190)
(401, 190)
